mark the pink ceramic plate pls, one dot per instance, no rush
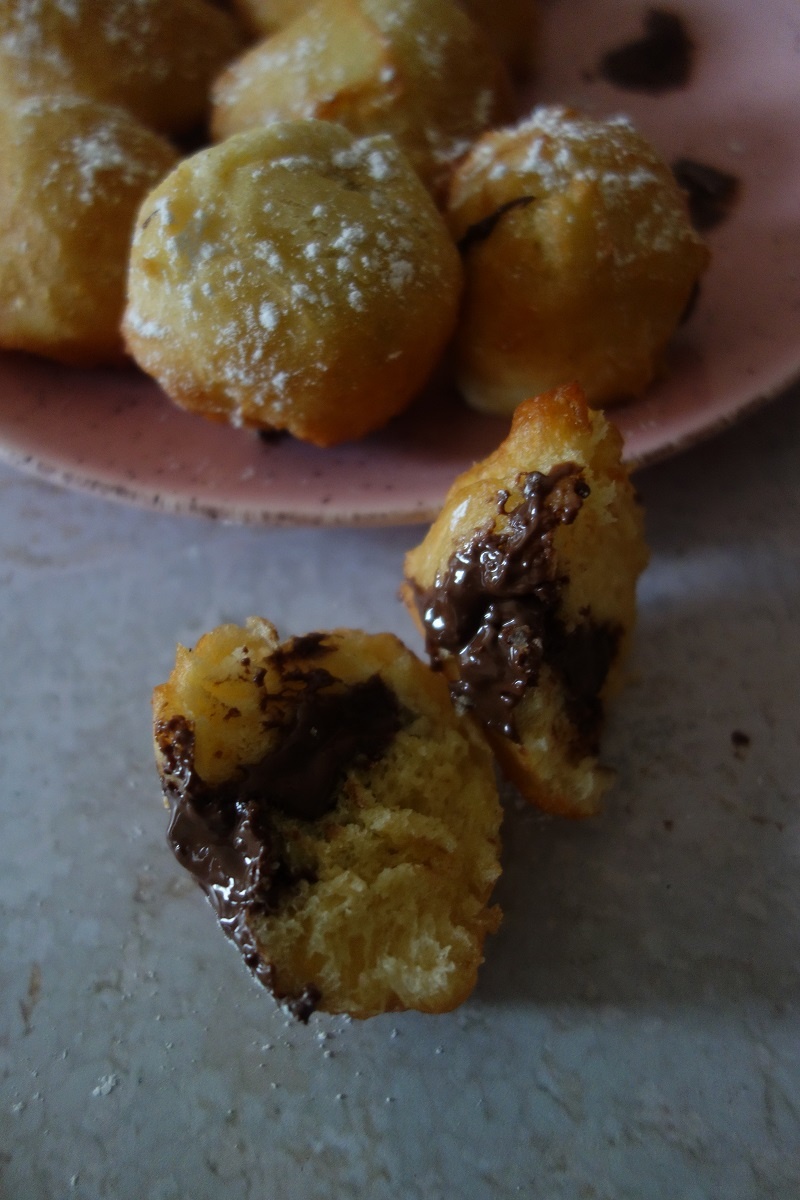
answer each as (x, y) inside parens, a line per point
(117, 433)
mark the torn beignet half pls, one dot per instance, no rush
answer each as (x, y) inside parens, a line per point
(524, 588)
(341, 817)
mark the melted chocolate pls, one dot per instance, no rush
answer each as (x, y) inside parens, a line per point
(226, 835)
(710, 194)
(483, 229)
(658, 62)
(326, 733)
(583, 656)
(495, 609)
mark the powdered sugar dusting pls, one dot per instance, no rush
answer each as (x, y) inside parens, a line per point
(268, 316)
(154, 58)
(101, 152)
(300, 234)
(556, 149)
(419, 72)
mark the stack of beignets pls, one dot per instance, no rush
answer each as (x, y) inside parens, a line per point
(299, 282)
(342, 819)
(85, 89)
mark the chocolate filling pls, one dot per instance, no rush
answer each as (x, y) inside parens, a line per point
(226, 835)
(710, 194)
(657, 62)
(484, 228)
(495, 608)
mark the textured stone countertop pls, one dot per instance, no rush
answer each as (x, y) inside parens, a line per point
(636, 1029)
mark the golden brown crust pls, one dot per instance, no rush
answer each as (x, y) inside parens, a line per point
(423, 72)
(599, 556)
(155, 59)
(73, 175)
(388, 903)
(293, 278)
(511, 25)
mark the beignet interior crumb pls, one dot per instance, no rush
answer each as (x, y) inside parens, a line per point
(380, 902)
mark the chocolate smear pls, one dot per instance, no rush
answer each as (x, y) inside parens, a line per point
(484, 228)
(658, 62)
(495, 609)
(583, 657)
(710, 193)
(327, 731)
(226, 834)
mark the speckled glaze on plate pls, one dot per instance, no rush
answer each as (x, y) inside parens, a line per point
(117, 434)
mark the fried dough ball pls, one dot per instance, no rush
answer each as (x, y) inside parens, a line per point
(579, 260)
(525, 590)
(293, 278)
(74, 173)
(420, 70)
(341, 818)
(155, 58)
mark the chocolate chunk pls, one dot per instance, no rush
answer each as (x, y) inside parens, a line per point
(583, 656)
(483, 229)
(495, 609)
(226, 835)
(710, 194)
(658, 62)
(328, 730)
(309, 645)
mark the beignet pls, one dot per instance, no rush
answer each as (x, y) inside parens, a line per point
(342, 819)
